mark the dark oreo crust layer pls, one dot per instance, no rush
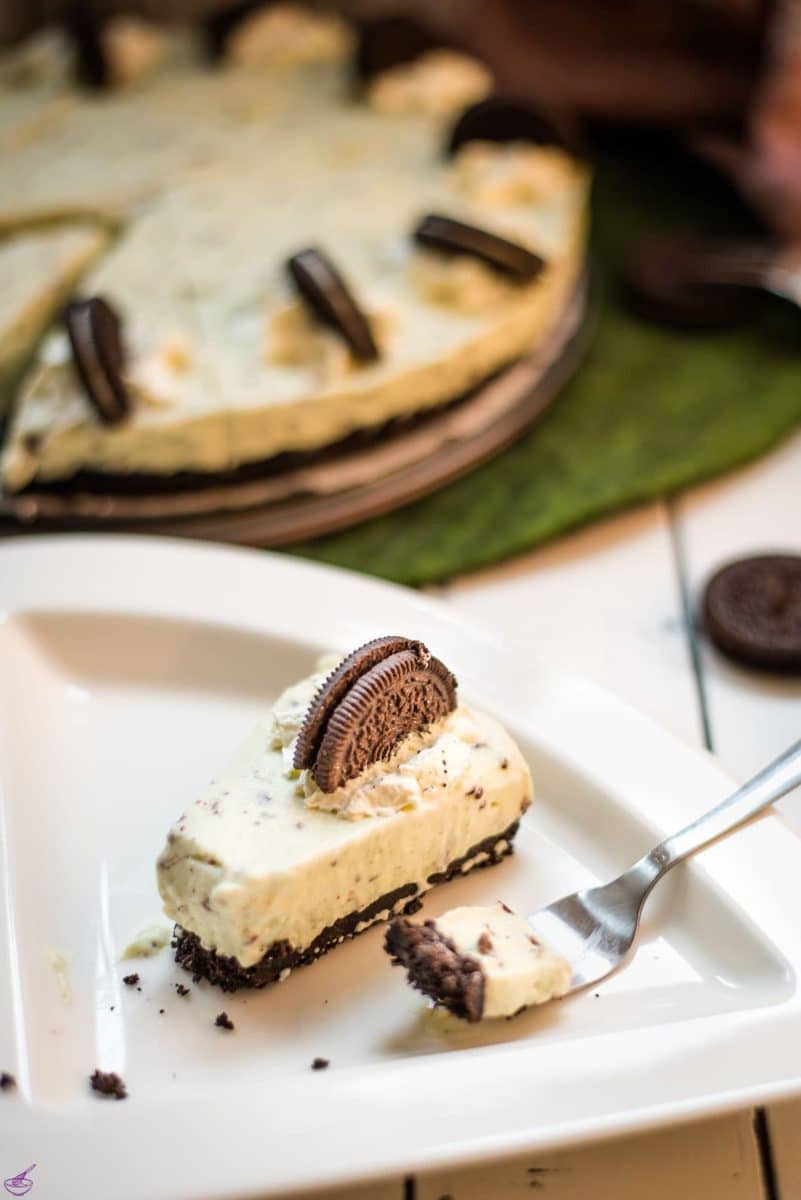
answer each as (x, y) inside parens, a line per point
(230, 975)
(435, 967)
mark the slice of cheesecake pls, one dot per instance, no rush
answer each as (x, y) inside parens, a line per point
(357, 793)
(479, 962)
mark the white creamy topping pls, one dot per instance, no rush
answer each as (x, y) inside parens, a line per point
(437, 83)
(133, 49)
(512, 173)
(462, 283)
(289, 35)
(255, 859)
(518, 969)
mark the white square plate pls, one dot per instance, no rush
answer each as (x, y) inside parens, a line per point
(129, 669)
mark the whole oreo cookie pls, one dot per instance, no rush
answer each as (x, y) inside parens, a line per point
(752, 611)
(436, 232)
(390, 42)
(94, 332)
(325, 291)
(403, 693)
(669, 280)
(506, 119)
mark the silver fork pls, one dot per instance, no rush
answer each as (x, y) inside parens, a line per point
(595, 929)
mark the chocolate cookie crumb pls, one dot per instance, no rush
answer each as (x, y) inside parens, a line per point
(223, 1021)
(181, 989)
(435, 967)
(320, 1064)
(485, 943)
(7, 1082)
(161, 1012)
(108, 1083)
(130, 980)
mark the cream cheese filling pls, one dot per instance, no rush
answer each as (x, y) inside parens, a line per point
(443, 325)
(518, 969)
(257, 858)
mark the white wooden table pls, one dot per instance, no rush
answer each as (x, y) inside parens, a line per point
(616, 602)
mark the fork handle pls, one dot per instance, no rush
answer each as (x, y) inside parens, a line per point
(769, 785)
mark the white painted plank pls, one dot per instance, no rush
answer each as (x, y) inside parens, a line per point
(784, 1121)
(712, 1160)
(605, 603)
(752, 716)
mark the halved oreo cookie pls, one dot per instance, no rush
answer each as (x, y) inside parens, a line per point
(670, 279)
(389, 42)
(506, 119)
(330, 299)
(403, 693)
(94, 331)
(436, 232)
(752, 611)
(335, 688)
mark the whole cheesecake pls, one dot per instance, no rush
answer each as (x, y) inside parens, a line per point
(299, 255)
(362, 788)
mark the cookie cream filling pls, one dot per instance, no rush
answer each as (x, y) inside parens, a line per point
(262, 856)
(517, 969)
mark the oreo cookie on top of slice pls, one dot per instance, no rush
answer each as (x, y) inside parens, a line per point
(437, 232)
(95, 335)
(501, 118)
(386, 689)
(324, 290)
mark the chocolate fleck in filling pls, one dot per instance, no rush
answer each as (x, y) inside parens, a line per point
(436, 968)
(94, 332)
(108, 1083)
(7, 1081)
(230, 975)
(324, 290)
(437, 232)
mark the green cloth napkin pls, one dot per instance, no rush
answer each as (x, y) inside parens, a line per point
(650, 411)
